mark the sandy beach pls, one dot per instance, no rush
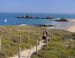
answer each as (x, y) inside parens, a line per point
(65, 26)
(71, 28)
(72, 20)
(62, 25)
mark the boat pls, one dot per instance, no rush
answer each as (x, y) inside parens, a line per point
(5, 20)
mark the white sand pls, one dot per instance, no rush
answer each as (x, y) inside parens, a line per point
(27, 53)
(72, 20)
(71, 28)
(65, 27)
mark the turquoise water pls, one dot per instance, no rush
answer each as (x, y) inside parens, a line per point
(10, 19)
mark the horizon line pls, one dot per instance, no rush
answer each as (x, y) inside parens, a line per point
(38, 12)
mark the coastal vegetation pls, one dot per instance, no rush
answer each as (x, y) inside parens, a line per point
(62, 44)
(10, 39)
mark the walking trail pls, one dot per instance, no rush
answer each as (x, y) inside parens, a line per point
(29, 52)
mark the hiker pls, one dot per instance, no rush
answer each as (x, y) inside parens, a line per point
(45, 36)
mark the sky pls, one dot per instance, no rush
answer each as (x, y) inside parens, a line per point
(38, 6)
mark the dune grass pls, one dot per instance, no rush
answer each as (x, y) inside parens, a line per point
(62, 44)
(11, 37)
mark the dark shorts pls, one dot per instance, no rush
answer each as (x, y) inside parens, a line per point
(44, 38)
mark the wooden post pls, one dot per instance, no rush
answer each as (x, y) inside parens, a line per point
(47, 41)
(51, 35)
(36, 47)
(19, 55)
(0, 44)
(28, 36)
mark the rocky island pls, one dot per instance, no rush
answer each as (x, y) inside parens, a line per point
(49, 17)
(27, 17)
(62, 20)
(31, 17)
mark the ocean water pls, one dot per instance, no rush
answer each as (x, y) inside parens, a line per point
(9, 19)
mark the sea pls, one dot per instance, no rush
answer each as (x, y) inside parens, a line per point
(9, 19)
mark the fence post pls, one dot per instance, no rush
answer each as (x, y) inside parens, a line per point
(19, 56)
(36, 47)
(0, 44)
(47, 42)
(28, 36)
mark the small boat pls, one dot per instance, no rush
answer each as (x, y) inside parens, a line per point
(5, 20)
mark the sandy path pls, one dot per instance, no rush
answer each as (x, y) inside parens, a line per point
(27, 53)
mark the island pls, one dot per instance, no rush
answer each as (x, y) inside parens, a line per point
(27, 17)
(62, 20)
(49, 17)
(32, 17)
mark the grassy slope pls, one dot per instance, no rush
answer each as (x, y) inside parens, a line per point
(62, 45)
(10, 38)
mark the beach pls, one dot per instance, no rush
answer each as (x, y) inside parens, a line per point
(67, 26)
(71, 28)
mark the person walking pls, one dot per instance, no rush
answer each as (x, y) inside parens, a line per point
(45, 36)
